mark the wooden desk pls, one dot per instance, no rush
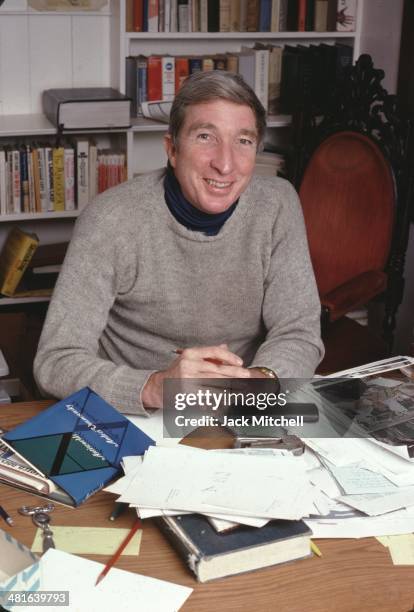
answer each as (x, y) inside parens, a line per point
(352, 575)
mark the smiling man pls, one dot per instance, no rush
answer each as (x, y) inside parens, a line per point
(201, 257)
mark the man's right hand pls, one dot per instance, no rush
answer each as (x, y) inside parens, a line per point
(197, 362)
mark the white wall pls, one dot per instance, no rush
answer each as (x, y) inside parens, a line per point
(40, 50)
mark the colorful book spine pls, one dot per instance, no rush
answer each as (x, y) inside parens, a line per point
(154, 75)
(58, 154)
(69, 168)
(82, 173)
(168, 77)
(153, 15)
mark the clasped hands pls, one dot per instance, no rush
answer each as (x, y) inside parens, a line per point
(198, 362)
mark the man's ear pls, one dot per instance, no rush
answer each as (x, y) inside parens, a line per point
(170, 149)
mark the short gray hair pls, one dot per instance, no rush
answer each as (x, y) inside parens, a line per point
(214, 85)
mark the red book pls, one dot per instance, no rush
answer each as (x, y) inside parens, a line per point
(302, 16)
(138, 15)
(181, 71)
(154, 78)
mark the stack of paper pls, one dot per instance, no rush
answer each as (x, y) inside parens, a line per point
(245, 488)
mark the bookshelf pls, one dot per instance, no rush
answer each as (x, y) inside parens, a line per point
(375, 22)
(46, 49)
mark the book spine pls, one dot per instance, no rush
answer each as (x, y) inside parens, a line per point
(275, 77)
(261, 85)
(203, 15)
(167, 15)
(195, 16)
(30, 176)
(161, 16)
(213, 15)
(301, 16)
(142, 80)
(131, 82)
(225, 16)
(265, 15)
(3, 183)
(129, 16)
(138, 15)
(168, 77)
(82, 173)
(182, 15)
(252, 15)
(310, 16)
(24, 182)
(16, 181)
(174, 16)
(42, 176)
(170, 529)
(153, 14)
(321, 16)
(234, 15)
(181, 71)
(36, 179)
(69, 164)
(346, 15)
(50, 188)
(331, 19)
(59, 178)
(93, 161)
(154, 78)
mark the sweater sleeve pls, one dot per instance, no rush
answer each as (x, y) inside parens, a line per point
(291, 306)
(96, 269)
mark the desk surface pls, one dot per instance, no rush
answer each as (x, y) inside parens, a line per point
(352, 575)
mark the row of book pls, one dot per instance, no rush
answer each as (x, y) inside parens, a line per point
(278, 75)
(39, 178)
(240, 15)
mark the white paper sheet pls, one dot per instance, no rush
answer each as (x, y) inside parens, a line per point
(119, 590)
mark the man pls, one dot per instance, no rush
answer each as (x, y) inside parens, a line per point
(200, 259)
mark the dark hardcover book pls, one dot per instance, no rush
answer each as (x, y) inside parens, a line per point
(331, 19)
(310, 16)
(76, 445)
(297, 74)
(292, 16)
(265, 15)
(195, 64)
(214, 555)
(49, 254)
(252, 15)
(131, 75)
(86, 108)
(213, 16)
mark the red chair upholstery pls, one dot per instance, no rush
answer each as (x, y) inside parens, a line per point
(352, 169)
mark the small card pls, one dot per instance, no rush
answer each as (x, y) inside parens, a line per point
(90, 540)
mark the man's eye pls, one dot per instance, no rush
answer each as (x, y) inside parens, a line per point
(246, 141)
(204, 137)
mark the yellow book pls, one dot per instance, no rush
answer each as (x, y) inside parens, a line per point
(14, 259)
(59, 178)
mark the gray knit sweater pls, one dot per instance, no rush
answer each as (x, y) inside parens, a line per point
(136, 284)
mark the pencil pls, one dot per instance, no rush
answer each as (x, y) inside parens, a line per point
(5, 515)
(118, 552)
(315, 549)
(210, 359)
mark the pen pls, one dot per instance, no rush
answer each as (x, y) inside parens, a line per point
(119, 509)
(215, 361)
(118, 552)
(315, 549)
(4, 515)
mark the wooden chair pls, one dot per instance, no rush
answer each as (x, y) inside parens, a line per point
(353, 170)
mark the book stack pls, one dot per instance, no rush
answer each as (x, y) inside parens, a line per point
(278, 75)
(240, 15)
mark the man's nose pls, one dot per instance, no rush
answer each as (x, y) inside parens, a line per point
(223, 158)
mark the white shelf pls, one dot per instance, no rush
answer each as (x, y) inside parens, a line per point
(238, 35)
(25, 125)
(66, 214)
(23, 300)
(141, 124)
